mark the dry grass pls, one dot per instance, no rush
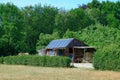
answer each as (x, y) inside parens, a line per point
(14, 72)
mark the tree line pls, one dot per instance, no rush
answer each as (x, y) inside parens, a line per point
(31, 28)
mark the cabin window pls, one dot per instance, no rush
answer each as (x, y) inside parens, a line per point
(70, 50)
(61, 52)
(51, 53)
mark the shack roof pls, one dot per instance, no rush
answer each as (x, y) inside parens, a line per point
(64, 43)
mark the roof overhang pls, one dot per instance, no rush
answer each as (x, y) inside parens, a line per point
(83, 47)
(56, 48)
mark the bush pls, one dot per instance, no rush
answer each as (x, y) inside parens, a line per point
(1, 60)
(107, 58)
(48, 61)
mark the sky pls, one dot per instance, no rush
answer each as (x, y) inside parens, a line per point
(66, 4)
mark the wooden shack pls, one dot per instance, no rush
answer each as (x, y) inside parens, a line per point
(76, 50)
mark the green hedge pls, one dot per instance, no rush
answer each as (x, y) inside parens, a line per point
(1, 60)
(48, 61)
(107, 58)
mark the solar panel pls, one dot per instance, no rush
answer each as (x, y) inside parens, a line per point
(62, 43)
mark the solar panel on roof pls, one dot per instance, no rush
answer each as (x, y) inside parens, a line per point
(62, 43)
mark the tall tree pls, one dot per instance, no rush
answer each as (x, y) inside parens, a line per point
(73, 20)
(77, 19)
(61, 22)
(11, 27)
(94, 4)
(37, 19)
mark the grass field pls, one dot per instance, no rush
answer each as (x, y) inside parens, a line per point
(18, 72)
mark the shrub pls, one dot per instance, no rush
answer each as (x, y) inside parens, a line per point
(48, 61)
(107, 58)
(1, 60)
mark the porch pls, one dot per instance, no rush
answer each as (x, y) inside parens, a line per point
(76, 54)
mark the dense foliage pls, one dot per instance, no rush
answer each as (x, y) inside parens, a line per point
(1, 60)
(47, 61)
(31, 28)
(108, 58)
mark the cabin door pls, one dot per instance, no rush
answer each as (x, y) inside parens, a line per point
(78, 55)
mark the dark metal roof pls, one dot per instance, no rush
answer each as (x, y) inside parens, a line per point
(61, 43)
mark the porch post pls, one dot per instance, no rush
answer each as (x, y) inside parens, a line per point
(73, 56)
(45, 52)
(84, 53)
(56, 52)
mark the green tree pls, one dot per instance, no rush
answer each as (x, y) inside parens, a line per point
(37, 19)
(73, 20)
(44, 39)
(11, 29)
(61, 22)
(93, 13)
(94, 4)
(99, 36)
(78, 19)
(112, 21)
(71, 34)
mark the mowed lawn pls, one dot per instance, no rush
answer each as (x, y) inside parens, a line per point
(18, 72)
